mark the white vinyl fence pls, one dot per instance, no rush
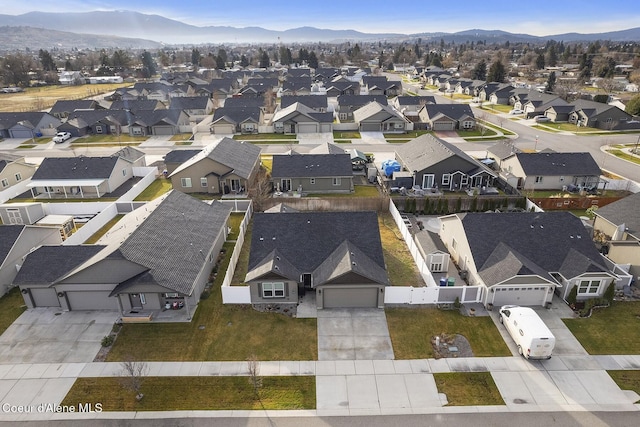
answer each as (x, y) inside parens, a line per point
(237, 294)
(148, 174)
(14, 190)
(92, 226)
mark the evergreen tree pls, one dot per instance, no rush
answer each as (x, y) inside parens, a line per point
(244, 62)
(148, 65)
(195, 57)
(220, 65)
(48, 64)
(551, 82)
(497, 72)
(313, 60)
(264, 60)
(480, 71)
(540, 62)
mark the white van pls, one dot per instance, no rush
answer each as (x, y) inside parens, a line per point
(532, 336)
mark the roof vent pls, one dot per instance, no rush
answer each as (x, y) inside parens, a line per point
(353, 263)
(579, 236)
(278, 258)
(273, 238)
(261, 239)
(531, 226)
(542, 226)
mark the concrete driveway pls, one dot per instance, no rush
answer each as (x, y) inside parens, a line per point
(373, 138)
(46, 335)
(353, 334)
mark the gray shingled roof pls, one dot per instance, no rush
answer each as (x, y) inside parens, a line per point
(179, 156)
(361, 100)
(237, 114)
(454, 111)
(175, 239)
(624, 211)
(558, 164)
(75, 168)
(531, 243)
(503, 149)
(324, 248)
(8, 236)
(188, 102)
(47, 264)
(129, 153)
(238, 155)
(311, 165)
(311, 101)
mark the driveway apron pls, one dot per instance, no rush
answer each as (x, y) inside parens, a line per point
(353, 334)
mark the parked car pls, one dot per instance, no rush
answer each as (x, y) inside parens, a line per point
(540, 119)
(61, 137)
(516, 111)
(531, 335)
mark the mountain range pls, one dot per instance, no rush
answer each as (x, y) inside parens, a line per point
(135, 29)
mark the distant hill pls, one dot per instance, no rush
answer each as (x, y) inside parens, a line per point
(160, 29)
(14, 38)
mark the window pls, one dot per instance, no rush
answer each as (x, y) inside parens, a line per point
(436, 267)
(343, 116)
(98, 129)
(454, 244)
(538, 179)
(5, 182)
(588, 287)
(185, 182)
(124, 172)
(464, 180)
(203, 182)
(143, 300)
(171, 295)
(562, 179)
(337, 181)
(446, 179)
(18, 177)
(312, 181)
(273, 290)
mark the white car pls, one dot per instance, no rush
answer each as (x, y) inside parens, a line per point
(516, 111)
(61, 137)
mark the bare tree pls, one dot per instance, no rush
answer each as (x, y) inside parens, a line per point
(608, 85)
(260, 189)
(253, 366)
(133, 375)
(569, 90)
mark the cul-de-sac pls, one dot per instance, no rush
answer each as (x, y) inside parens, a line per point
(236, 225)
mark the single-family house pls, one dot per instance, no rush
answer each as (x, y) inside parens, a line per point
(136, 105)
(298, 118)
(62, 108)
(553, 171)
(97, 122)
(339, 259)
(14, 169)
(325, 74)
(231, 120)
(27, 125)
(175, 158)
(292, 86)
(601, 116)
(503, 92)
(411, 104)
(70, 78)
(375, 117)
(317, 103)
(617, 226)
(16, 241)
(312, 173)
(379, 85)
(196, 107)
(80, 176)
(523, 258)
(347, 104)
(338, 88)
(558, 113)
(159, 257)
(447, 117)
(224, 167)
(134, 156)
(436, 163)
(158, 122)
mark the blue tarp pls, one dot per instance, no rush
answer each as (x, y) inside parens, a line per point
(390, 166)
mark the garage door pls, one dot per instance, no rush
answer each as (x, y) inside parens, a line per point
(370, 127)
(519, 295)
(307, 128)
(224, 129)
(91, 301)
(163, 130)
(45, 297)
(21, 133)
(350, 297)
(444, 126)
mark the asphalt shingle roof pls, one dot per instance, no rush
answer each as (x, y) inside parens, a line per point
(180, 156)
(8, 236)
(624, 211)
(311, 165)
(75, 168)
(558, 164)
(454, 111)
(311, 101)
(47, 264)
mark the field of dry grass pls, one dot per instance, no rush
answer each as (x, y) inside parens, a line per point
(41, 98)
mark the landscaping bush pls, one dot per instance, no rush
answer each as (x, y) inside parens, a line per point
(610, 293)
(107, 341)
(573, 296)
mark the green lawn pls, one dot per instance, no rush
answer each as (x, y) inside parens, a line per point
(235, 219)
(12, 307)
(626, 156)
(626, 380)
(98, 234)
(411, 330)
(612, 330)
(358, 191)
(196, 393)
(155, 190)
(494, 127)
(410, 134)
(495, 138)
(220, 332)
(398, 141)
(498, 107)
(476, 132)
(25, 146)
(90, 139)
(468, 388)
(346, 134)
(570, 127)
(243, 260)
(401, 268)
(181, 137)
(267, 161)
(263, 136)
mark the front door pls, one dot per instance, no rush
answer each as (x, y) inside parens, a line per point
(136, 301)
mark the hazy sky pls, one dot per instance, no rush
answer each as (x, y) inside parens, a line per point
(530, 17)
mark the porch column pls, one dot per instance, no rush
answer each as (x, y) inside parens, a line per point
(81, 193)
(33, 195)
(65, 192)
(98, 191)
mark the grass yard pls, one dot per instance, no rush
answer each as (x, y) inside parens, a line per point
(398, 141)
(243, 260)
(12, 307)
(235, 219)
(495, 138)
(358, 191)
(155, 190)
(108, 139)
(401, 268)
(476, 133)
(196, 393)
(495, 127)
(410, 134)
(346, 134)
(219, 332)
(40, 98)
(25, 146)
(468, 388)
(498, 107)
(263, 136)
(98, 234)
(267, 161)
(545, 129)
(626, 380)
(181, 137)
(411, 330)
(612, 330)
(625, 156)
(569, 127)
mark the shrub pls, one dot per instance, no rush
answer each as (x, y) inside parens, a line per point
(456, 303)
(610, 293)
(573, 295)
(107, 341)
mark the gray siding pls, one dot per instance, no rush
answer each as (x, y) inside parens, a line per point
(321, 185)
(291, 292)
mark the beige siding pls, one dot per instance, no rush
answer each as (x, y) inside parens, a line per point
(10, 171)
(452, 229)
(122, 172)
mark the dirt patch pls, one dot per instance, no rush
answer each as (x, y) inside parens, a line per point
(445, 345)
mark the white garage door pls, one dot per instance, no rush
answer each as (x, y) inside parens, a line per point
(223, 129)
(444, 126)
(370, 127)
(19, 133)
(350, 297)
(163, 130)
(307, 128)
(519, 295)
(45, 297)
(91, 301)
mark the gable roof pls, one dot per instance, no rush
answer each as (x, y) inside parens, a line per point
(361, 100)
(558, 164)
(414, 100)
(75, 168)
(129, 154)
(503, 149)
(327, 148)
(237, 114)
(8, 236)
(180, 156)
(67, 106)
(453, 111)
(624, 211)
(311, 101)
(189, 102)
(298, 109)
(335, 243)
(541, 242)
(311, 165)
(48, 264)
(373, 108)
(239, 156)
(426, 151)
(244, 102)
